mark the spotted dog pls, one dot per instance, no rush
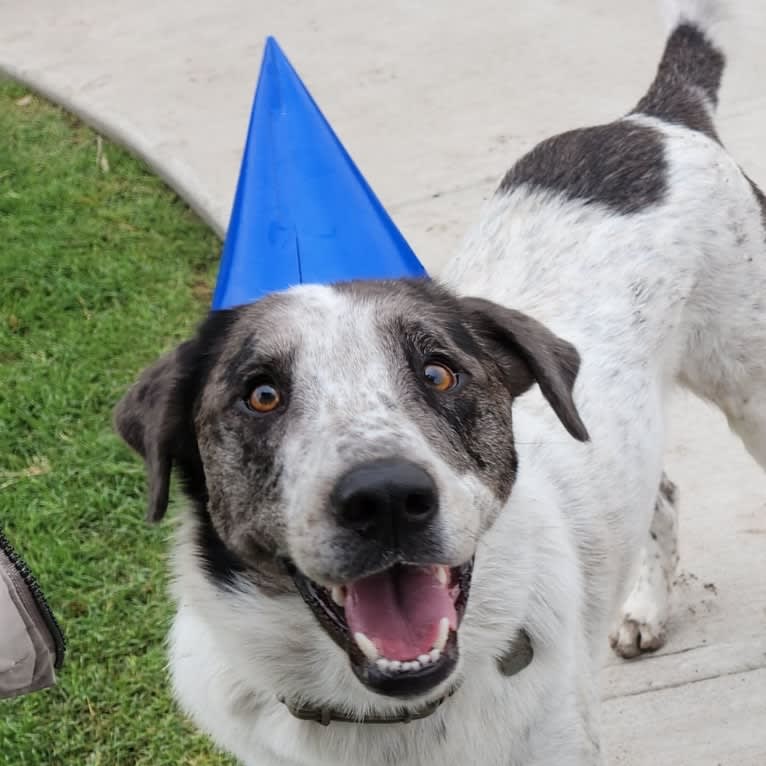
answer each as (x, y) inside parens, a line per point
(416, 509)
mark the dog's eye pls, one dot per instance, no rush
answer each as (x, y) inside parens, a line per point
(440, 376)
(264, 398)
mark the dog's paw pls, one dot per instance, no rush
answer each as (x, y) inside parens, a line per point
(641, 623)
(633, 637)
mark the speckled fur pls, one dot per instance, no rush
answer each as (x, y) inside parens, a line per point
(643, 622)
(653, 294)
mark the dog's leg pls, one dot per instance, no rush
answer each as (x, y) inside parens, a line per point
(728, 367)
(641, 625)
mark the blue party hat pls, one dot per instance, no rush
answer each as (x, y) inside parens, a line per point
(303, 212)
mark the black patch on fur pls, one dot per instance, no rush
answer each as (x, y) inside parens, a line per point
(513, 351)
(668, 490)
(620, 165)
(243, 460)
(526, 350)
(155, 415)
(689, 72)
(246, 367)
(461, 337)
(219, 563)
(760, 197)
(224, 568)
(479, 431)
(160, 409)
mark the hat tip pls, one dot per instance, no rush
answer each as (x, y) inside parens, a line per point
(272, 45)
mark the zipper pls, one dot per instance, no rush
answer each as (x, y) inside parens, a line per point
(40, 602)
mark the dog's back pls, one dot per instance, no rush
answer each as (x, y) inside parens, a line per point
(641, 235)
(643, 242)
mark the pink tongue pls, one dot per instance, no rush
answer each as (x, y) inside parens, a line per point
(399, 611)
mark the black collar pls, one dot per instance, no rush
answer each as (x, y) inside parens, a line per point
(518, 656)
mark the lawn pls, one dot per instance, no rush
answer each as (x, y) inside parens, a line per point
(101, 269)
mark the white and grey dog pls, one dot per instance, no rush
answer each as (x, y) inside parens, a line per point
(415, 510)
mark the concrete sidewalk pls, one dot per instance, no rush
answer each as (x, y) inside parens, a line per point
(434, 101)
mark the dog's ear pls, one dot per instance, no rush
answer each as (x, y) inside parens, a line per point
(155, 417)
(547, 359)
(151, 417)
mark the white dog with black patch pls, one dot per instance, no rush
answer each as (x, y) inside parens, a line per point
(415, 509)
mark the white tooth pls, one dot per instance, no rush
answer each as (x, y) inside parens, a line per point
(414, 665)
(394, 665)
(383, 663)
(424, 659)
(364, 643)
(441, 638)
(434, 655)
(442, 575)
(339, 595)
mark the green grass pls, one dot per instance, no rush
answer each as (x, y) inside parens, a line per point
(101, 268)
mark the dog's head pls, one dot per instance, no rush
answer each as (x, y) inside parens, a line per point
(353, 442)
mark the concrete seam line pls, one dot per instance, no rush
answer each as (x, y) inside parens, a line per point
(177, 176)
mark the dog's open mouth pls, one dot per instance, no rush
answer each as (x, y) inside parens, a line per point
(398, 627)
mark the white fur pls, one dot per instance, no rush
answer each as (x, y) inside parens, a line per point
(566, 551)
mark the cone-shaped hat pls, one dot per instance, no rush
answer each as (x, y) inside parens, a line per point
(302, 212)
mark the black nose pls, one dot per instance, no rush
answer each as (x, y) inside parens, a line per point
(385, 499)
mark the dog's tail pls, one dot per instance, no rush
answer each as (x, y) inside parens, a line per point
(685, 90)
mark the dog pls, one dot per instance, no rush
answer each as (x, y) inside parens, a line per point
(416, 509)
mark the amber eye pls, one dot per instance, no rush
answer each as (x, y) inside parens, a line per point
(440, 377)
(264, 398)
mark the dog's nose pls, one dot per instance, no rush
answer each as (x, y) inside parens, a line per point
(385, 499)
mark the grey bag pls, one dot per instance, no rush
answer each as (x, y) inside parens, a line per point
(32, 645)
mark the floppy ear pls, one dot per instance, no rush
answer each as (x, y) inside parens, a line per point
(549, 360)
(155, 417)
(151, 418)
